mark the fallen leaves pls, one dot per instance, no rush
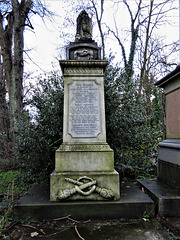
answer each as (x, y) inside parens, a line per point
(48, 228)
(34, 234)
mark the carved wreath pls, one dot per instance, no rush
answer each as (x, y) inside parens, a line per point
(84, 186)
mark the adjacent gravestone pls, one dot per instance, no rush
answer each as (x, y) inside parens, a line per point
(169, 149)
(84, 163)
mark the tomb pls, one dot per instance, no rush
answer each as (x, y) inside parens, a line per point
(169, 149)
(84, 163)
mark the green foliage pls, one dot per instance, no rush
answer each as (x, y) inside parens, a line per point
(41, 133)
(134, 126)
(5, 220)
(11, 187)
(145, 216)
(10, 182)
(173, 237)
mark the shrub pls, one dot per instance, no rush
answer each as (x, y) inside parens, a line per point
(133, 131)
(40, 132)
(134, 125)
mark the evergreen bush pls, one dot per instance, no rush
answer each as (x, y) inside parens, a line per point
(134, 126)
(40, 133)
(133, 131)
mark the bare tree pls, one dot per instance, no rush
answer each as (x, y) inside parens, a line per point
(144, 19)
(99, 22)
(14, 17)
(151, 48)
(135, 24)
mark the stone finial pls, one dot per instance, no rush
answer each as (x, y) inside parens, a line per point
(84, 27)
(84, 47)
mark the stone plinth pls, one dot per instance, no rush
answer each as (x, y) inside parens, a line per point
(104, 188)
(169, 149)
(75, 157)
(36, 205)
(84, 163)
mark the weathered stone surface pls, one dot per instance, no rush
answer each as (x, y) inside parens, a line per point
(84, 167)
(104, 180)
(169, 163)
(83, 51)
(171, 82)
(85, 68)
(84, 27)
(84, 157)
(84, 110)
(84, 48)
(166, 199)
(36, 205)
(169, 151)
(173, 115)
(169, 173)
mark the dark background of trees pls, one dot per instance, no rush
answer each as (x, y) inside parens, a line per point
(134, 106)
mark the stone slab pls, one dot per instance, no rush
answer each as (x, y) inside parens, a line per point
(169, 151)
(167, 200)
(106, 186)
(36, 205)
(173, 115)
(84, 157)
(84, 110)
(169, 174)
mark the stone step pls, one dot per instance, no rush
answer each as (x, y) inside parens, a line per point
(133, 204)
(167, 200)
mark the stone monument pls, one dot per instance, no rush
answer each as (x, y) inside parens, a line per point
(84, 163)
(169, 149)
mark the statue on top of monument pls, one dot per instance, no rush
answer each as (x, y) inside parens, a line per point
(84, 27)
(84, 47)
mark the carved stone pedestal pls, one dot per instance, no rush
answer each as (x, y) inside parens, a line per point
(84, 166)
(84, 163)
(84, 186)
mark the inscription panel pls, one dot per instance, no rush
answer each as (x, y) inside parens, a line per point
(84, 109)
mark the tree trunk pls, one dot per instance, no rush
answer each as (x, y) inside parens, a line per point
(3, 105)
(12, 44)
(16, 96)
(143, 69)
(98, 19)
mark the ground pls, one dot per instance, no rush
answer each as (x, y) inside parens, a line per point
(67, 228)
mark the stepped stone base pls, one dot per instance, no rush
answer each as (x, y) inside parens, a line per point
(169, 174)
(84, 186)
(167, 200)
(132, 204)
(169, 163)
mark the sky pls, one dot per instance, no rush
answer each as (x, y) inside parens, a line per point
(42, 45)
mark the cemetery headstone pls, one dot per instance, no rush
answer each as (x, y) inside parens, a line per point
(84, 163)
